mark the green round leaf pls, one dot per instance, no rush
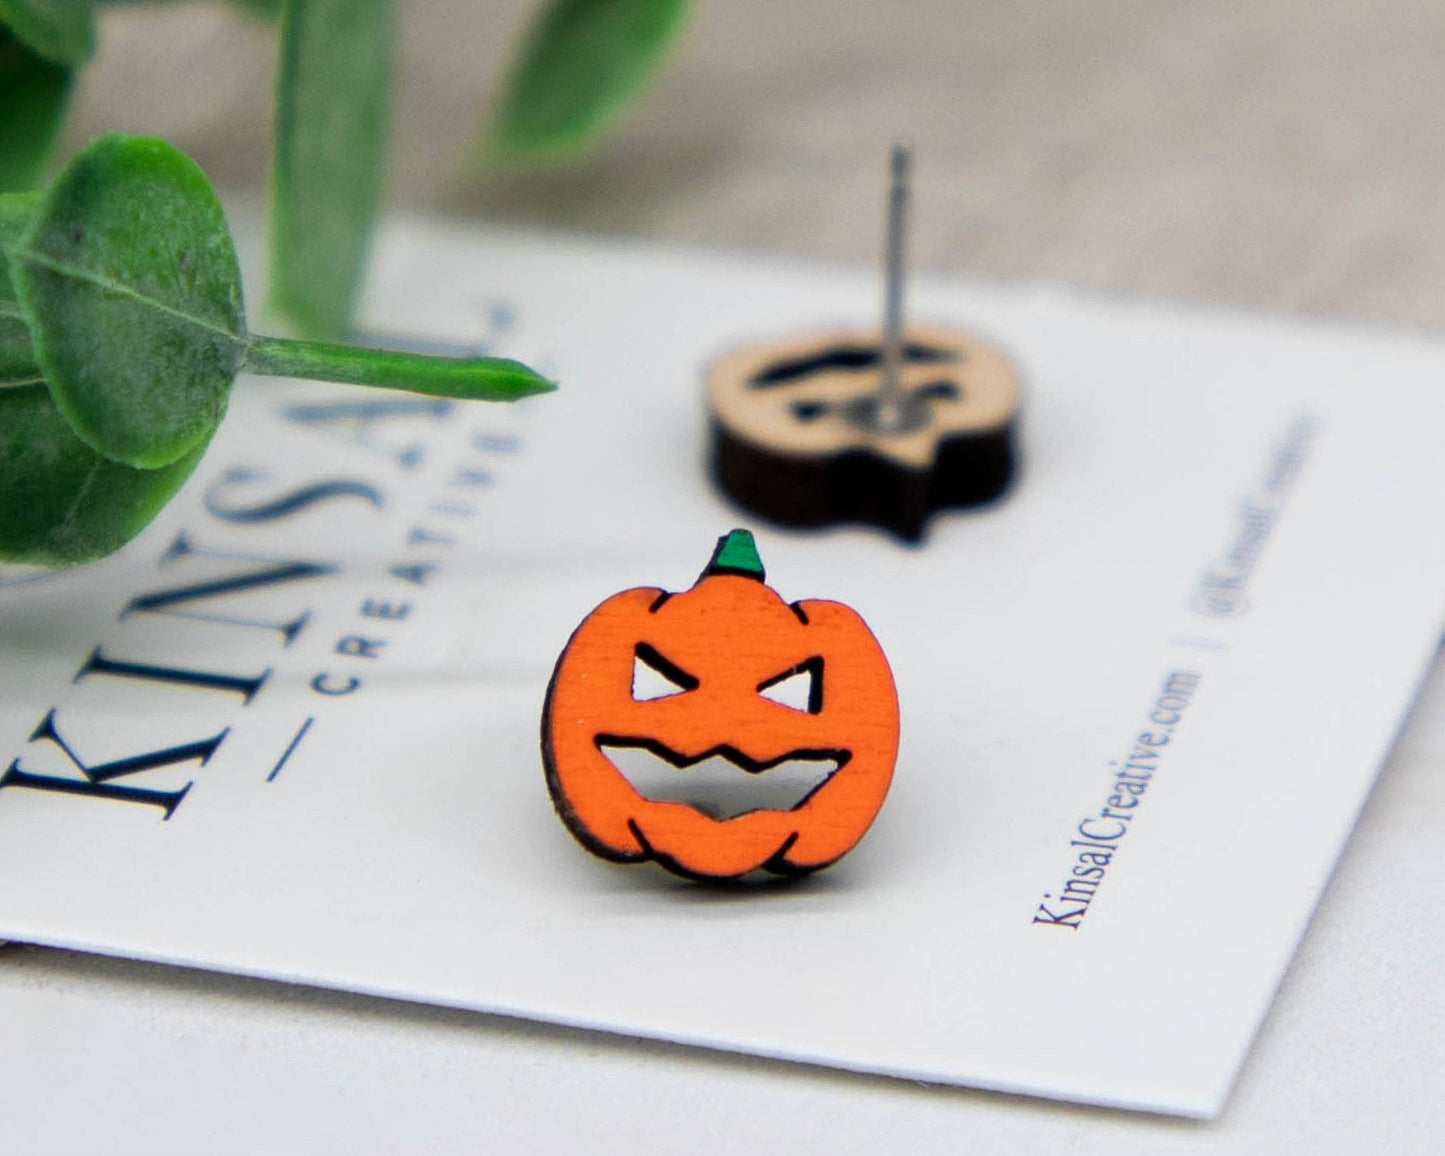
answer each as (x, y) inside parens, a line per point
(583, 60)
(129, 283)
(17, 359)
(61, 503)
(33, 95)
(62, 31)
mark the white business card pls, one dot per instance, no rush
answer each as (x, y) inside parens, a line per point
(292, 730)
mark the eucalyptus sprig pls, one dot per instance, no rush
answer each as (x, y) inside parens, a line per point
(581, 62)
(122, 330)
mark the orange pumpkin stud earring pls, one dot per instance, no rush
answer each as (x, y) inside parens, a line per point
(720, 730)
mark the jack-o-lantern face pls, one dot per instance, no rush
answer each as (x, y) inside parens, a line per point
(720, 730)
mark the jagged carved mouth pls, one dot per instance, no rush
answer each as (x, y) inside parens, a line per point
(722, 783)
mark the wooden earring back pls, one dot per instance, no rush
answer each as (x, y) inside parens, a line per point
(883, 427)
(795, 436)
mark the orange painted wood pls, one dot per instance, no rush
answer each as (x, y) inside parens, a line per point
(724, 641)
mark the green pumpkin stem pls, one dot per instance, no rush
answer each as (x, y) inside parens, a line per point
(736, 553)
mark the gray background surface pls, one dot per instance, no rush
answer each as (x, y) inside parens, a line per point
(1288, 154)
(1282, 155)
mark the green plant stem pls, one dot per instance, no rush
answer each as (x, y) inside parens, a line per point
(474, 378)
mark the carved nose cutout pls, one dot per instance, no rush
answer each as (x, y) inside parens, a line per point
(654, 676)
(800, 687)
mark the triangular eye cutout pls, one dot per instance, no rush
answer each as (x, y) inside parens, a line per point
(800, 688)
(653, 676)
